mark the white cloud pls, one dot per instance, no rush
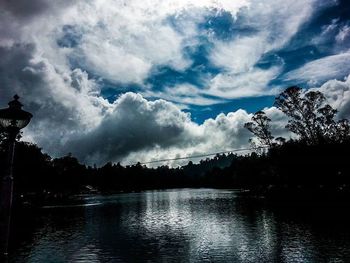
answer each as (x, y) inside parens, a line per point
(183, 94)
(323, 69)
(108, 61)
(120, 40)
(275, 24)
(278, 123)
(251, 83)
(240, 55)
(344, 34)
(338, 96)
(124, 40)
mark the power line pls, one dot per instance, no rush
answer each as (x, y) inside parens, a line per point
(205, 155)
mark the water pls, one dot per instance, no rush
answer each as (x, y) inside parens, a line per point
(202, 225)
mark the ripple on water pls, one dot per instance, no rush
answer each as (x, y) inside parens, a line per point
(178, 226)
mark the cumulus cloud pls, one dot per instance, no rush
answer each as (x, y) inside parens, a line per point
(140, 130)
(70, 115)
(136, 129)
(135, 125)
(132, 124)
(338, 96)
(62, 102)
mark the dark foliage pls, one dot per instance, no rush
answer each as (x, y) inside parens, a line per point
(310, 117)
(260, 127)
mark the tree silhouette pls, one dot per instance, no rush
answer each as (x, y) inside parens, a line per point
(342, 131)
(260, 127)
(309, 116)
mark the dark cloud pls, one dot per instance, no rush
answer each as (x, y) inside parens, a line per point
(134, 124)
(49, 93)
(18, 18)
(14, 78)
(23, 9)
(139, 130)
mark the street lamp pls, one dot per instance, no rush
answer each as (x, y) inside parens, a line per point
(12, 120)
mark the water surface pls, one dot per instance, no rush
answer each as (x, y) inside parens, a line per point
(188, 225)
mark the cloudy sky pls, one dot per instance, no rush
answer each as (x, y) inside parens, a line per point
(141, 80)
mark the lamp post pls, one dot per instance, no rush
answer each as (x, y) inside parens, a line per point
(12, 120)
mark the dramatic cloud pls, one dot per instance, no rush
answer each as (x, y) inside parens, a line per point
(137, 125)
(338, 95)
(132, 124)
(137, 129)
(274, 24)
(73, 63)
(62, 102)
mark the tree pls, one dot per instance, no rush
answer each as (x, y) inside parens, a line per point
(341, 131)
(32, 168)
(260, 127)
(309, 116)
(4, 137)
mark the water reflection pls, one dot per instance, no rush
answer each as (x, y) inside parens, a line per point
(179, 226)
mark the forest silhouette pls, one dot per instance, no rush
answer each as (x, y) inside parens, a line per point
(313, 166)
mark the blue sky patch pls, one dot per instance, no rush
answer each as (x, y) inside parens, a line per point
(222, 25)
(200, 113)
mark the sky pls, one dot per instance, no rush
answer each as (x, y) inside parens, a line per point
(142, 80)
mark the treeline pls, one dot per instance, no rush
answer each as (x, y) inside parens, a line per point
(316, 164)
(36, 172)
(38, 177)
(293, 169)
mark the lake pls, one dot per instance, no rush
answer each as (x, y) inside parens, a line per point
(186, 225)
